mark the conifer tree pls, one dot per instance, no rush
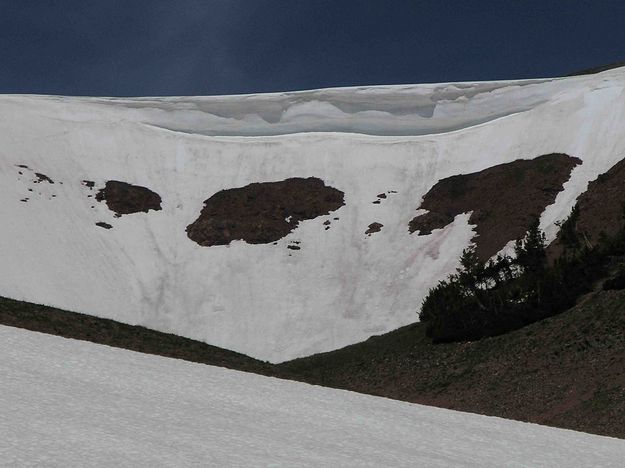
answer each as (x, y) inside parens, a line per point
(530, 251)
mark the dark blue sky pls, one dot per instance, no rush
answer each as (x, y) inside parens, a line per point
(189, 47)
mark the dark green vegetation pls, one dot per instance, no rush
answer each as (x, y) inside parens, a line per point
(488, 299)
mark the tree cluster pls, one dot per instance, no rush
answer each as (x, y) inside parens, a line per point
(506, 293)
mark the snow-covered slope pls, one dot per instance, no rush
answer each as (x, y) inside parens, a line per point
(69, 403)
(266, 300)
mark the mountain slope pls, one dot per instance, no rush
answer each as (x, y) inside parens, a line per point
(81, 404)
(316, 289)
(567, 371)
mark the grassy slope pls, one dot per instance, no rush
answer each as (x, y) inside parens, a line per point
(566, 371)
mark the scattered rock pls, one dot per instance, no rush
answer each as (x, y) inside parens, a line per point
(293, 247)
(377, 202)
(503, 199)
(42, 178)
(23, 166)
(326, 223)
(374, 227)
(103, 225)
(264, 212)
(24, 200)
(123, 198)
(381, 195)
(89, 184)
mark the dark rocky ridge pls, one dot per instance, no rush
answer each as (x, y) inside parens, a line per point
(504, 199)
(601, 208)
(124, 198)
(599, 69)
(111, 333)
(262, 212)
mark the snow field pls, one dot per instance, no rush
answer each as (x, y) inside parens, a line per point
(264, 300)
(69, 403)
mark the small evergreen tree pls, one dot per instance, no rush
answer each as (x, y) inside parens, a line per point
(569, 237)
(530, 251)
(471, 273)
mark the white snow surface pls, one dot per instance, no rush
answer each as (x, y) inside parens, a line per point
(69, 403)
(265, 300)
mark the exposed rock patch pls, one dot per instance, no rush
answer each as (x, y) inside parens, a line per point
(379, 198)
(503, 199)
(374, 227)
(103, 225)
(123, 198)
(42, 178)
(264, 212)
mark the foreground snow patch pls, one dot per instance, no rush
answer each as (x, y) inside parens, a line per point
(71, 403)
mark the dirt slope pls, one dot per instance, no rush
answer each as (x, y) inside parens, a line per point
(566, 371)
(53, 321)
